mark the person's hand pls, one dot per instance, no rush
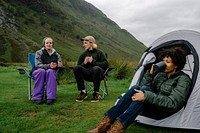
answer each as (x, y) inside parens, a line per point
(90, 59)
(53, 65)
(59, 64)
(152, 69)
(138, 96)
(86, 60)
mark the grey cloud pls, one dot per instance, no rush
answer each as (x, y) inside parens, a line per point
(149, 19)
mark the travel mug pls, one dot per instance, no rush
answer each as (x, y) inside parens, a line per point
(160, 66)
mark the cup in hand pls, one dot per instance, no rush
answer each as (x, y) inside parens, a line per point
(160, 66)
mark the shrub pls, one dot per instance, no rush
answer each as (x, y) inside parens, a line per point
(66, 75)
(122, 69)
(3, 64)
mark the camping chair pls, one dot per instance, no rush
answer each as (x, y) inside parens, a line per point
(31, 59)
(103, 90)
(103, 86)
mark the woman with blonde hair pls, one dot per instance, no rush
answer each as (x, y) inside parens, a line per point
(92, 63)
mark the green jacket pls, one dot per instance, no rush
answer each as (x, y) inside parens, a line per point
(170, 93)
(99, 59)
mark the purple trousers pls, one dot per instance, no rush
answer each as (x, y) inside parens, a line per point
(41, 77)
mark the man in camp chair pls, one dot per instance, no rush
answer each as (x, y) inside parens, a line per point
(47, 61)
(164, 93)
(92, 64)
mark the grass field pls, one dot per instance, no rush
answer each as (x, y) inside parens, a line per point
(19, 115)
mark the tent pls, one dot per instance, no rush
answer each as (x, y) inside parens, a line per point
(189, 116)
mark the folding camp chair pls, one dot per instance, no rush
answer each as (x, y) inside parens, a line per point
(31, 59)
(103, 88)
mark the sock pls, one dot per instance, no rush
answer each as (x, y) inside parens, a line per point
(83, 91)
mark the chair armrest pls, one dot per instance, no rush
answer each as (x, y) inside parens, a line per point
(24, 70)
(71, 67)
(60, 69)
(107, 70)
(21, 70)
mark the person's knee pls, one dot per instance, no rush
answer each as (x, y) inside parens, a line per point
(132, 89)
(144, 88)
(40, 71)
(50, 71)
(97, 69)
(135, 87)
(77, 68)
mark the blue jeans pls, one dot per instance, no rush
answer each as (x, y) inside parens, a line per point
(127, 110)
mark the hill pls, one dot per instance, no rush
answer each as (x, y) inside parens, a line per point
(24, 24)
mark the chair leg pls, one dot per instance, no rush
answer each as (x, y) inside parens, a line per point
(103, 90)
(106, 85)
(29, 88)
(88, 87)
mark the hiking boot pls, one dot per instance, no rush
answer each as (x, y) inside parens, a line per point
(103, 126)
(95, 97)
(81, 97)
(117, 128)
(37, 102)
(50, 101)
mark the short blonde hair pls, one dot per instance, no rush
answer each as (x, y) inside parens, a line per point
(91, 39)
(94, 46)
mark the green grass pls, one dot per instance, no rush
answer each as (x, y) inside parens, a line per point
(18, 114)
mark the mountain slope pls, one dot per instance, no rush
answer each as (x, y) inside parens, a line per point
(25, 23)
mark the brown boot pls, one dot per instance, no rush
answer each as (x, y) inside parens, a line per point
(103, 126)
(117, 128)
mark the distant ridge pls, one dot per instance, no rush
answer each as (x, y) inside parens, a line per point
(24, 23)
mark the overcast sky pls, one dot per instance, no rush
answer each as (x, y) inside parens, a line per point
(147, 20)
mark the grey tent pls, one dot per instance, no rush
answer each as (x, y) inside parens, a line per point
(189, 116)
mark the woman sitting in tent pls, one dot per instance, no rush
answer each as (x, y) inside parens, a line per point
(162, 93)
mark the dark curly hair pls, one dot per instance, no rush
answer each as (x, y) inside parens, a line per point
(177, 54)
